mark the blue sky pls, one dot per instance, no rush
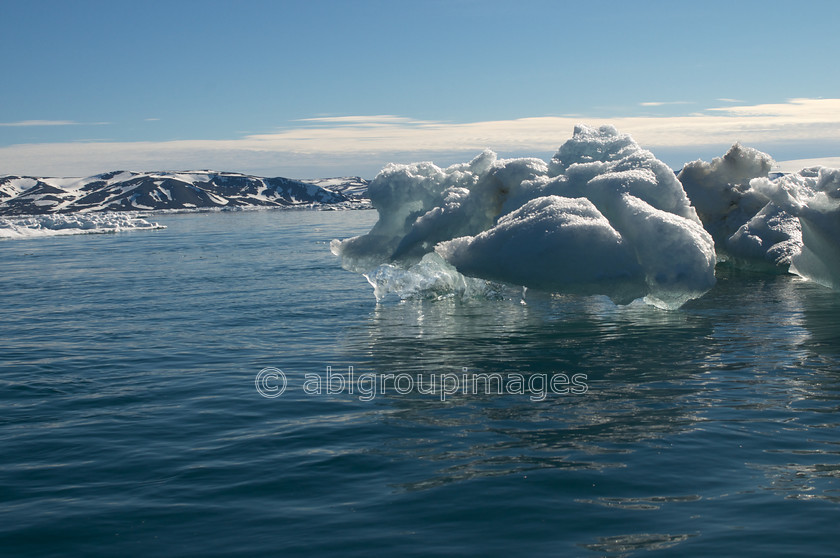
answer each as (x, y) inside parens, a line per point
(320, 88)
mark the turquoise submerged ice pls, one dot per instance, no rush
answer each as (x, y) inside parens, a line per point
(603, 217)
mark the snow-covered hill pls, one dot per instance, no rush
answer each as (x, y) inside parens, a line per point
(352, 187)
(133, 191)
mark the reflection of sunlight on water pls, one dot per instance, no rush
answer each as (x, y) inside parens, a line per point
(644, 503)
(821, 318)
(703, 429)
(726, 380)
(632, 543)
(630, 355)
(817, 481)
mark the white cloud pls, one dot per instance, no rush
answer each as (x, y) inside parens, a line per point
(799, 119)
(791, 112)
(382, 119)
(664, 103)
(330, 144)
(794, 165)
(24, 123)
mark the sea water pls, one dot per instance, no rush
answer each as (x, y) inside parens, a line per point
(222, 387)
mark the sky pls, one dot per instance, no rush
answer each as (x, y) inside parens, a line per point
(319, 88)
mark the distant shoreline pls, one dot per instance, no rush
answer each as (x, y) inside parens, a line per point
(127, 191)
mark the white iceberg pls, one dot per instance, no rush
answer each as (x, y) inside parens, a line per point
(748, 228)
(813, 196)
(77, 223)
(603, 217)
(788, 221)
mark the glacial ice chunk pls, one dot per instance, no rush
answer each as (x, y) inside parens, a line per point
(77, 223)
(552, 244)
(746, 225)
(790, 221)
(430, 278)
(421, 204)
(603, 217)
(813, 196)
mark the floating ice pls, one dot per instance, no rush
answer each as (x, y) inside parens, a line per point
(430, 278)
(421, 204)
(595, 258)
(746, 225)
(813, 196)
(604, 217)
(790, 221)
(78, 223)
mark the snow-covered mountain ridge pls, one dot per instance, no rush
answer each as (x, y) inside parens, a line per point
(191, 190)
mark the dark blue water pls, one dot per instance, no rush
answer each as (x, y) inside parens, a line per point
(130, 422)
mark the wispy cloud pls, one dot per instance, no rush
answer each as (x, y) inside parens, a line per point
(798, 119)
(664, 103)
(351, 141)
(367, 121)
(793, 111)
(794, 165)
(25, 123)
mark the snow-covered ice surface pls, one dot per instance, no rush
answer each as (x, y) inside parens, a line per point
(81, 223)
(748, 227)
(603, 217)
(790, 222)
(812, 196)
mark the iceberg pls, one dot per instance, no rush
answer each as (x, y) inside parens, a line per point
(749, 229)
(604, 216)
(787, 222)
(78, 223)
(812, 196)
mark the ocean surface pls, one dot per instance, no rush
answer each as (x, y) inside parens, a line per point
(159, 396)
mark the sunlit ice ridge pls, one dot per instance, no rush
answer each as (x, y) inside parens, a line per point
(603, 217)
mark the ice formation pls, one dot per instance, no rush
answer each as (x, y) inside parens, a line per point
(790, 221)
(78, 223)
(747, 226)
(813, 196)
(603, 217)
